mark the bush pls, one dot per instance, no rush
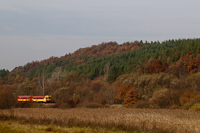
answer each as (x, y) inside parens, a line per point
(24, 104)
(193, 81)
(192, 102)
(142, 104)
(195, 107)
(7, 98)
(188, 96)
(66, 103)
(164, 98)
(94, 105)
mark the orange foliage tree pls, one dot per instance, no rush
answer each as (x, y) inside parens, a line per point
(121, 92)
(193, 64)
(128, 95)
(187, 97)
(131, 98)
(188, 64)
(157, 67)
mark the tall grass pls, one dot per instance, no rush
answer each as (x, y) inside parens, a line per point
(145, 120)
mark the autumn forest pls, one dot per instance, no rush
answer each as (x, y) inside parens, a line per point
(135, 74)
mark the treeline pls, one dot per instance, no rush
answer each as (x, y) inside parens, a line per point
(103, 49)
(140, 74)
(113, 65)
(4, 73)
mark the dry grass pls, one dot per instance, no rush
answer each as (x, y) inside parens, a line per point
(17, 127)
(144, 120)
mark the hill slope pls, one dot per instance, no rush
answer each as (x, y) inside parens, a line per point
(150, 75)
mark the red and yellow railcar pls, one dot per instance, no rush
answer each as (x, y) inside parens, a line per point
(42, 99)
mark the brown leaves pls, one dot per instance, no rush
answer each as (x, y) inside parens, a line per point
(128, 95)
(131, 98)
(7, 97)
(157, 67)
(187, 97)
(188, 64)
(121, 91)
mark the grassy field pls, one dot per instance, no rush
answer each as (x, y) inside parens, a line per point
(101, 120)
(18, 127)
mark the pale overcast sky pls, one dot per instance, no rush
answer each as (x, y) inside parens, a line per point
(33, 30)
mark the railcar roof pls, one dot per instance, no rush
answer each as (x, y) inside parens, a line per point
(33, 96)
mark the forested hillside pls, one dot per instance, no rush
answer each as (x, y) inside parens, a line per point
(136, 74)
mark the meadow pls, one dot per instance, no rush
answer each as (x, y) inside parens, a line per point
(114, 119)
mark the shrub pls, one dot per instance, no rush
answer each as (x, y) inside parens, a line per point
(195, 107)
(164, 98)
(192, 101)
(94, 105)
(66, 103)
(24, 104)
(187, 97)
(96, 86)
(7, 98)
(51, 129)
(193, 81)
(142, 104)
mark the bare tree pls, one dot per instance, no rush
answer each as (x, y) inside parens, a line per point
(106, 70)
(57, 74)
(110, 93)
(41, 81)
